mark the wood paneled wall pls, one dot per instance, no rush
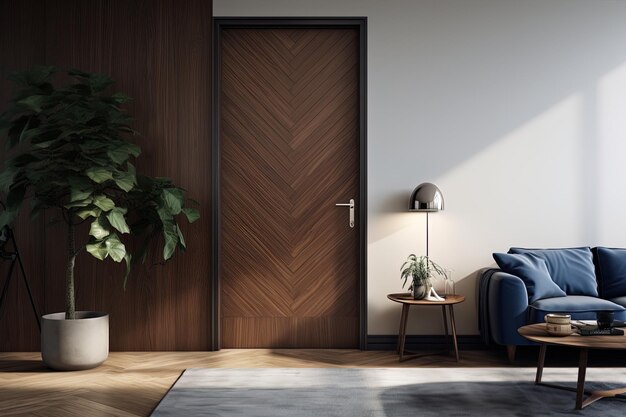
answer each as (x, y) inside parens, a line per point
(21, 46)
(159, 53)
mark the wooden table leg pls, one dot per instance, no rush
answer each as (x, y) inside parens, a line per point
(445, 324)
(592, 396)
(580, 386)
(453, 324)
(402, 332)
(540, 362)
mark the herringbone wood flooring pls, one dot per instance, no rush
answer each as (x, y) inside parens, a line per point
(132, 383)
(289, 141)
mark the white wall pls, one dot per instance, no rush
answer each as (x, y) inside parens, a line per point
(515, 109)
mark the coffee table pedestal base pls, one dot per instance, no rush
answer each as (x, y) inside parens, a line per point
(592, 396)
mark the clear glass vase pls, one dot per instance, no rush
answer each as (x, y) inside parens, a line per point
(449, 286)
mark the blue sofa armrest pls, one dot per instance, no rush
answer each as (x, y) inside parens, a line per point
(508, 308)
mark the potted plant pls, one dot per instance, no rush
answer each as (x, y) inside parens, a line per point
(70, 153)
(420, 270)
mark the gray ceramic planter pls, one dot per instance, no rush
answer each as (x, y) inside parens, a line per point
(72, 345)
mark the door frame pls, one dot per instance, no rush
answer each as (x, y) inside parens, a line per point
(220, 24)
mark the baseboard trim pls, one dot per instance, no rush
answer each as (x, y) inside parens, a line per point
(424, 342)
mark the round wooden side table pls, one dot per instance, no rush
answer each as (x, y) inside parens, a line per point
(406, 299)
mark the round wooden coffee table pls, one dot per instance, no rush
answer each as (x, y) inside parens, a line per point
(537, 333)
(406, 299)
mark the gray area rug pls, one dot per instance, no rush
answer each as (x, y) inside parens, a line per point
(377, 392)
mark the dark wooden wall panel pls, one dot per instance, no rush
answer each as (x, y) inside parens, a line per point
(159, 53)
(21, 46)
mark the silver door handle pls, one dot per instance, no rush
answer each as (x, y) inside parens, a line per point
(351, 206)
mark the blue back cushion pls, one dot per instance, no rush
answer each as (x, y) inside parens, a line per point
(571, 269)
(611, 271)
(533, 271)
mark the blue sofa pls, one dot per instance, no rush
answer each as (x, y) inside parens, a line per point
(534, 282)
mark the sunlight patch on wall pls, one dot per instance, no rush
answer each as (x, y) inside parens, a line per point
(534, 170)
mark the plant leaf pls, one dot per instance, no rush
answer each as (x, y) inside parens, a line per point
(181, 238)
(78, 204)
(45, 144)
(99, 82)
(164, 214)
(174, 199)
(121, 154)
(132, 170)
(125, 180)
(97, 230)
(115, 248)
(77, 194)
(103, 202)
(191, 214)
(116, 218)
(97, 250)
(93, 212)
(171, 240)
(7, 217)
(33, 103)
(120, 98)
(118, 155)
(6, 179)
(129, 262)
(99, 174)
(30, 133)
(78, 73)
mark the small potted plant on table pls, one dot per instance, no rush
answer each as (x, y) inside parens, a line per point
(420, 270)
(71, 154)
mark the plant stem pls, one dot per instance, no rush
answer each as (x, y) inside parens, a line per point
(70, 301)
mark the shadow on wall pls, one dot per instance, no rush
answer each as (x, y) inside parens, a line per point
(428, 320)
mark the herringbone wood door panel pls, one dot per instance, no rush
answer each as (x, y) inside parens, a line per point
(289, 151)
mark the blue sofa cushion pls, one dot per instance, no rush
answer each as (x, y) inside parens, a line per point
(533, 271)
(619, 300)
(581, 307)
(611, 270)
(571, 269)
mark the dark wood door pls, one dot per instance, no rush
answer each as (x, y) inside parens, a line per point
(289, 138)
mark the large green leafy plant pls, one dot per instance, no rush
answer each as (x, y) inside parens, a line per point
(69, 151)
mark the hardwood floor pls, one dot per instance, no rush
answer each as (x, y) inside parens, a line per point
(132, 383)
